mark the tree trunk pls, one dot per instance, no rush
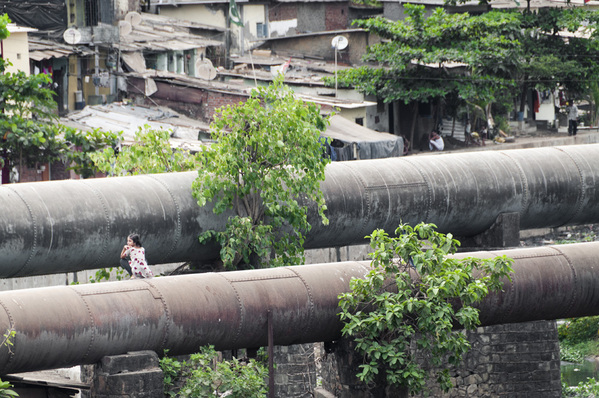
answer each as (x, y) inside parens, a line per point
(413, 127)
(452, 125)
(523, 96)
(21, 162)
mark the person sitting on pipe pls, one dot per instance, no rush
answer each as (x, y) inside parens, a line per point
(133, 258)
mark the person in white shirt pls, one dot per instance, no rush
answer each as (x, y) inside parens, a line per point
(435, 142)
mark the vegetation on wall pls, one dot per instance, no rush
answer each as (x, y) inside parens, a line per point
(403, 317)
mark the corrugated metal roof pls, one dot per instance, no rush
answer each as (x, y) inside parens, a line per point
(40, 49)
(322, 33)
(160, 33)
(128, 119)
(14, 28)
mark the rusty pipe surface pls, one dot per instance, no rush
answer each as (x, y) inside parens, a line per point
(65, 226)
(71, 325)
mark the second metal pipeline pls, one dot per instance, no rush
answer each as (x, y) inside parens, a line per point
(72, 325)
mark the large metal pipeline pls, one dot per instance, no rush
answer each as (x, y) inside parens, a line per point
(64, 226)
(71, 325)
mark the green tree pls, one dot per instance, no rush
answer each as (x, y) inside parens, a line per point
(266, 162)
(28, 134)
(151, 152)
(504, 54)
(400, 67)
(29, 131)
(403, 315)
(558, 48)
(84, 146)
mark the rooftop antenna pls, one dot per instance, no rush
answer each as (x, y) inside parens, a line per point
(338, 43)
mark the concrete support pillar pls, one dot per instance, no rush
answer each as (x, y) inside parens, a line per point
(133, 375)
(503, 233)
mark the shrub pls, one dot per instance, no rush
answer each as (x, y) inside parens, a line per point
(577, 330)
(205, 376)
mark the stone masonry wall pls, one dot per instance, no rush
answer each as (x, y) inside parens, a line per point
(295, 371)
(514, 360)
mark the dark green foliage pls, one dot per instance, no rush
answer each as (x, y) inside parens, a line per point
(402, 316)
(503, 54)
(205, 375)
(487, 46)
(577, 330)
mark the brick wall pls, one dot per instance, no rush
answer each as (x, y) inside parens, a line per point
(336, 16)
(217, 100)
(194, 102)
(282, 12)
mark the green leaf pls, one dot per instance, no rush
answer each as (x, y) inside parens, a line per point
(258, 150)
(388, 313)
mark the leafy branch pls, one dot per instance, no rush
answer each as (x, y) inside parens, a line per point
(404, 315)
(266, 165)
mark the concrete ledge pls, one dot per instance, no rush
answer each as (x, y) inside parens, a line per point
(320, 392)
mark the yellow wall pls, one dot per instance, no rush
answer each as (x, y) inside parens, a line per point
(73, 71)
(253, 14)
(353, 114)
(16, 50)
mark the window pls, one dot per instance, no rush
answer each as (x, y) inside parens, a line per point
(261, 30)
(91, 13)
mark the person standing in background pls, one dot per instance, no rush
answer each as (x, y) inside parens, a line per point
(573, 119)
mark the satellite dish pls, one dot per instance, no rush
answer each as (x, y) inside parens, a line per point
(339, 42)
(134, 18)
(125, 28)
(205, 70)
(71, 36)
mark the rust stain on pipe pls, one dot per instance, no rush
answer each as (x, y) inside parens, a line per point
(71, 325)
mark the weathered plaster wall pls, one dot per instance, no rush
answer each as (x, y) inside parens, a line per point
(252, 15)
(16, 50)
(283, 20)
(319, 46)
(377, 117)
(310, 17)
(211, 14)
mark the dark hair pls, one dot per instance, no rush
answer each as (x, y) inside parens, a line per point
(135, 239)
